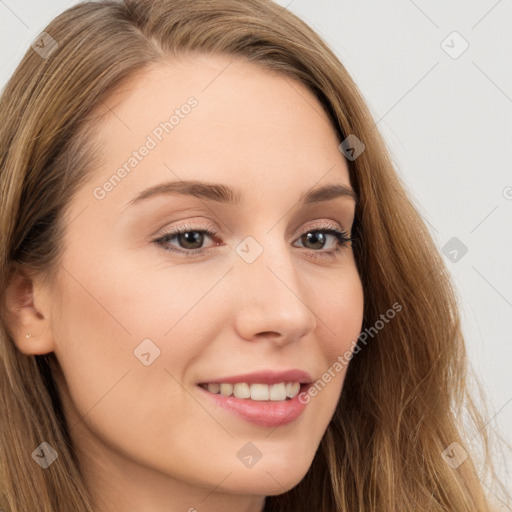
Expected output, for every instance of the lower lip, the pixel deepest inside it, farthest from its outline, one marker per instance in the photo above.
(266, 413)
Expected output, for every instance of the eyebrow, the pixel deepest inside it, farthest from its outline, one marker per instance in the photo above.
(224, 194)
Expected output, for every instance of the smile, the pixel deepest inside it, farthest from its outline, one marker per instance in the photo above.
(258, 392)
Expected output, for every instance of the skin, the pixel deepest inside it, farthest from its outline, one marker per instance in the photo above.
(147, 438)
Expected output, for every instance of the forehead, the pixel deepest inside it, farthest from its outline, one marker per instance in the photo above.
(247, 125)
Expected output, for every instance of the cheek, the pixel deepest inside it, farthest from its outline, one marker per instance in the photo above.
(121, 319)
(338, 308)
(339, 311)
(122, 373)
(97, 326)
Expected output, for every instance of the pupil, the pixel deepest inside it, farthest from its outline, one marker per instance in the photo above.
(196, 237)
(315, 236)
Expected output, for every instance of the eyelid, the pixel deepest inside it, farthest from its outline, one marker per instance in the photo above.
(190, 225)
(208, 226)
(324, 224)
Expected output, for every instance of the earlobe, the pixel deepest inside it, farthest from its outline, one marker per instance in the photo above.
(28, 314)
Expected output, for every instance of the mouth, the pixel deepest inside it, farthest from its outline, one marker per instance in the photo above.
(266, 405)
(259, 392)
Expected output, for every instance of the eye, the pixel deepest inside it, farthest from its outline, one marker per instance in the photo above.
(191, 239)
(318, 237)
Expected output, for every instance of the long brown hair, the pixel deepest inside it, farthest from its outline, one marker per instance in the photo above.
(406, 385)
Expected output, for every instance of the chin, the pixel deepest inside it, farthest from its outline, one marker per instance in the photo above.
(267, 480)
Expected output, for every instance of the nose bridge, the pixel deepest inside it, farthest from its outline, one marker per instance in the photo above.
(271, 298)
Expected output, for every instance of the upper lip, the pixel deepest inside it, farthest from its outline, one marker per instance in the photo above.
(265, 377)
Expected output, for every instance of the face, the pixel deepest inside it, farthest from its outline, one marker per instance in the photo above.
(252, 293)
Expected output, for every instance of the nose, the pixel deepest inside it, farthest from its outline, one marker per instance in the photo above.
(271, 300)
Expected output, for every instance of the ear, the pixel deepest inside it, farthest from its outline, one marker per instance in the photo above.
(27, 308)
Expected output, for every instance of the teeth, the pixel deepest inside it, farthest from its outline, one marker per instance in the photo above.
(257, 392)
(294, 390)
(260, 392)
(226, 389)
(278, 392)
(242, 390)
(213, 388)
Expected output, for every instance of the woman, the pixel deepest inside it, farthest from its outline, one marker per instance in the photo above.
(302, 350)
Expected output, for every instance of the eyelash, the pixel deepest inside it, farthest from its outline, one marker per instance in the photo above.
(343, 239)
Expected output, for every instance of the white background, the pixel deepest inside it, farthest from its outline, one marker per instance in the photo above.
(448, 125)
